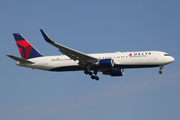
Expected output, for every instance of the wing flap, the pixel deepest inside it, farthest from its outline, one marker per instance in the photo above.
(73, 54)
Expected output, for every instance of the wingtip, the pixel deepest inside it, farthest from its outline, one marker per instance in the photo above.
(41, 30)
(8, 55)
(46, 37)
(16, 33)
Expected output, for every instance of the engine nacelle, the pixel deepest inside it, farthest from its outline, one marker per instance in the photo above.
(106, 63)
(114, 72)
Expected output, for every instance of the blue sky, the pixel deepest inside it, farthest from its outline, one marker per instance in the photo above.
(90, 27)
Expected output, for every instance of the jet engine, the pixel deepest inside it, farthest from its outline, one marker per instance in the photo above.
(114, 72)
(105, 63)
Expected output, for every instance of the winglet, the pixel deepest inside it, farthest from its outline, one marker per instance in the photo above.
(46, 37)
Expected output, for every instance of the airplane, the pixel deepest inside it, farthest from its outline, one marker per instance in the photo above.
(72, 60)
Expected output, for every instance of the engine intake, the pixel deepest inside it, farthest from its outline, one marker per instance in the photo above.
(114, 72)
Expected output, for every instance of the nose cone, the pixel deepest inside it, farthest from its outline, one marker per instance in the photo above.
(170, 59)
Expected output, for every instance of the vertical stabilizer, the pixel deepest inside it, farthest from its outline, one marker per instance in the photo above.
(26, 50)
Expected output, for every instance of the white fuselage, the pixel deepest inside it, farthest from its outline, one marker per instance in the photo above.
(140, 59)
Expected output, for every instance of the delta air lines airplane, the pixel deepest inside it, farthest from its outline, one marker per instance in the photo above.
(108, 63)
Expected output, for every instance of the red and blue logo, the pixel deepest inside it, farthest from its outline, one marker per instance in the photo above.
(25, 48)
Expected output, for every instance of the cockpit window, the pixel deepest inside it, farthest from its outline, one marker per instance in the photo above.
(166, 55)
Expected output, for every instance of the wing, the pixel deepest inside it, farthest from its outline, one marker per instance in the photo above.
(20, 59)
(73, 54)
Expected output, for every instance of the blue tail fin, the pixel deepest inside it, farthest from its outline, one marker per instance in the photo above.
(26, 50)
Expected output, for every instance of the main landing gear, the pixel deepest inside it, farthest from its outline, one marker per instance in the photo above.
(91, 74)
(160, 71)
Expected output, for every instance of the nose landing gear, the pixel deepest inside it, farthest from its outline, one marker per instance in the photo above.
(160, 71)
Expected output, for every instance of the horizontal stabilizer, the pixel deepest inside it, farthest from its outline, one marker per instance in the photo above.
(20, 59)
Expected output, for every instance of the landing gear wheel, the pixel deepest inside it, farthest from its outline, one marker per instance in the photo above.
(160, 72)
(90, 73)
(97, 78)
(92, 77)
(85, 72)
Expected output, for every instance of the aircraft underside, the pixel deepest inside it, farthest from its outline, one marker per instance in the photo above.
(78, 68)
